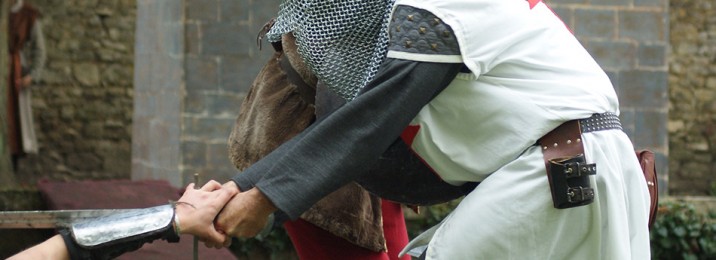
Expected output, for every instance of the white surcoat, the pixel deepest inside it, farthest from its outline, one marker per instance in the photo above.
(529, 75)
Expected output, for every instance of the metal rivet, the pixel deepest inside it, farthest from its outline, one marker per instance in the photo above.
(436, 21)
(446, 33)
(410, 17)
(422, 30)
(579, 140)
(434, 46)
(544, 148)
(408, 44)
(397, 28)
(569, 141)
(555, 145)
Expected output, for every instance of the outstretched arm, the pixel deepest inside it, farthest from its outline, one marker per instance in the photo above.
(337, 149)
(194, 214)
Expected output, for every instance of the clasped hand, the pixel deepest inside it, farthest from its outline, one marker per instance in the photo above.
(221, 212)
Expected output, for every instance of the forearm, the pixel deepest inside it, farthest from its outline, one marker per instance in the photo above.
(247, 179)
(53, 248)
(348, 142)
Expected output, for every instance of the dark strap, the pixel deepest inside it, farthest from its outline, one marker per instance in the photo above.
(262, 33)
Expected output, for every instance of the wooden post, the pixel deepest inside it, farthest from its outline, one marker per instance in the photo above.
(7, 176)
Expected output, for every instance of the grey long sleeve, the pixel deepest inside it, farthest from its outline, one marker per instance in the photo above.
(341, 147)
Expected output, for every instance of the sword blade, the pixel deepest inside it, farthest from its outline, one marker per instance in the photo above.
(48, 219)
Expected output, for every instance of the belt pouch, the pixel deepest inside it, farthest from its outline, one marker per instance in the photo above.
(569, 181)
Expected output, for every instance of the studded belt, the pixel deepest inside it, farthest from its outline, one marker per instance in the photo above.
(563, 153)
(566, 139)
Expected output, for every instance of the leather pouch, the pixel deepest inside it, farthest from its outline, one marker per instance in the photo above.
(569, 181)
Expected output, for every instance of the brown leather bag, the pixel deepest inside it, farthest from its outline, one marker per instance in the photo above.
(646, 159)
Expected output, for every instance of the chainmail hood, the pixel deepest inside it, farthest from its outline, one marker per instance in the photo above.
(342, 41)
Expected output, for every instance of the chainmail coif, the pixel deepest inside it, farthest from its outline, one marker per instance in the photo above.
(342, 41)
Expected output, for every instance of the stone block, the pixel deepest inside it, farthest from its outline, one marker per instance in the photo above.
(614, 78)
(649, 130)
(84, 161)
(643, 89)
(193, 154)
(192, 39)
(196, 102)
(227, 39)
(202, 73)
(205, 128)
(202, 10)
(169, 11)
(566, 15)
(87, 74)
(612, 2)
(262, 11)
(173, 35)
(168, 106)
(627, 118)
(237, 11)
(238, 73)
(614, 55)
(651, 55)
(218, 155)
(662, 169)
(559, 2)
(651, 3)
(225, 105)
(643, 25)
(142, 76)
(595, 23)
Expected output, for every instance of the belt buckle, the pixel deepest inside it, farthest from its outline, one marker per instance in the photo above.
(580, 194)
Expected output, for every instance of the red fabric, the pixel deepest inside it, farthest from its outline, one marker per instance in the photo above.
(408, 135)
(312, 242)
(533, 3)
(396, 233)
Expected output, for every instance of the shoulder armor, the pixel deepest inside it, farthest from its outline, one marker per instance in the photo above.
(416, 30)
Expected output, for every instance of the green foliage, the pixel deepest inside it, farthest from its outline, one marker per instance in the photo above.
(680, 233)
(430, 216)
(270, 247)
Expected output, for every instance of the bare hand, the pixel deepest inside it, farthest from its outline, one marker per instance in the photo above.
(199, 220)
(24, 82)
(246, 214)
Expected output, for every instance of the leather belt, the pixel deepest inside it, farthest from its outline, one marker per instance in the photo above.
(566, 139)
(563, 154)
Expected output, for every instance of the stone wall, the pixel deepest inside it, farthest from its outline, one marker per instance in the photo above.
(6, 173)
(159, 84)
(223, 59)
(83, 101)
(692, 97)
(190, 82)
(629, 39)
